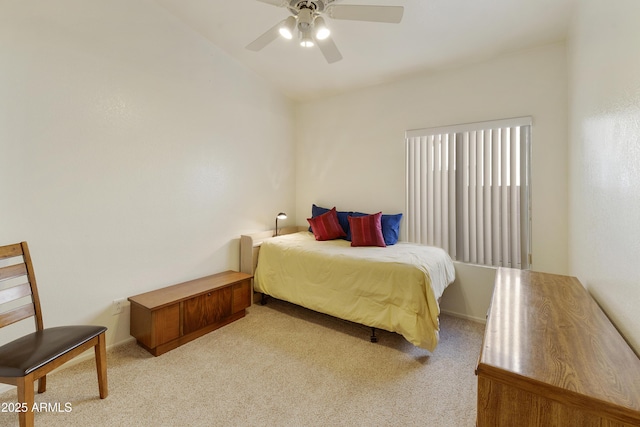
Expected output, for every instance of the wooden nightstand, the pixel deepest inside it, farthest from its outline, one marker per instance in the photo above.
(166, 318)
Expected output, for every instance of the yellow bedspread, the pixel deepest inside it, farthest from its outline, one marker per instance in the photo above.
(394, 288)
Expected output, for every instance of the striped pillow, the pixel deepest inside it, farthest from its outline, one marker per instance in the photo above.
(326, 226)
(366, 230)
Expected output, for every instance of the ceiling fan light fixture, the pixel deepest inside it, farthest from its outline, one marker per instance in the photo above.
(286, 28)
(306, 40)
(320, 28)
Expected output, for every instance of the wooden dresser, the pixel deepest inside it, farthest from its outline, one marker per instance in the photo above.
(551, 357)
(166, 318)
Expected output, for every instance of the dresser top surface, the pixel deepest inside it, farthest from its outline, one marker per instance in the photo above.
(546, 329)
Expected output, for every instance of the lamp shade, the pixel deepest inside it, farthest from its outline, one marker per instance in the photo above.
(305, 39)
(320, 28)
(286, 27)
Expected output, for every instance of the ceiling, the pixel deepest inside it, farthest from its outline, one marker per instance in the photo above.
(433, 35)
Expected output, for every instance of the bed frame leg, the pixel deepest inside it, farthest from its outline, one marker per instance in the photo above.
(263, 299)
(374, 338)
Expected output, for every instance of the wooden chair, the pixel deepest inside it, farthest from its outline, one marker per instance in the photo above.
(32, 357)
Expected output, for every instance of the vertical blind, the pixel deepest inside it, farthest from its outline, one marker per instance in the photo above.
(468, 190)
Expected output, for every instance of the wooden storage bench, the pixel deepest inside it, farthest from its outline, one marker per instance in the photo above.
(551, 357)
(166, 318)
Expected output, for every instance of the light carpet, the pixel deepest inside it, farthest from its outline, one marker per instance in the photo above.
(281, 365)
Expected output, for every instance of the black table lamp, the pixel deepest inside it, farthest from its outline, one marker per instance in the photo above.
(281, 215)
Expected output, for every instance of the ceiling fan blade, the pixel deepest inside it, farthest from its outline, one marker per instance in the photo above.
(266, 38)
(329, 50)
(278, 3)
(390, 14)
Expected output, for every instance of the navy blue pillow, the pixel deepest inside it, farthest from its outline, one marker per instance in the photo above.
(342, 217)
(317, 210)
(390, 227)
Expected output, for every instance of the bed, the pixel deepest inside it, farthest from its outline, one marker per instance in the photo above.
(395, 288)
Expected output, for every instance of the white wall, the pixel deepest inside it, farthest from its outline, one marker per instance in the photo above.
(133, 153)
(605, 153)
(350, 148)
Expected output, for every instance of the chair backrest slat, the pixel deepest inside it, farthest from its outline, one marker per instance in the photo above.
(13, 271)
(10, 251)
(14, 293)
(17, 314)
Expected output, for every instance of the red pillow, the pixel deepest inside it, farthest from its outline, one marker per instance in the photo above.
(366, 230)
(326, 226)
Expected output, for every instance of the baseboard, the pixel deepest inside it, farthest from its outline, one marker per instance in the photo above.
(89, 354)
(482, 320)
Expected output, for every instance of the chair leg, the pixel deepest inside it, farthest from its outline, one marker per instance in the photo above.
(101, 365)
(26, 397)
(42, 384)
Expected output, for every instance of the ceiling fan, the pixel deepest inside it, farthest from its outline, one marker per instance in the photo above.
(307, 16)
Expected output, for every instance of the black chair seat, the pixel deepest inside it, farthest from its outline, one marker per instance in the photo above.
(26, 354)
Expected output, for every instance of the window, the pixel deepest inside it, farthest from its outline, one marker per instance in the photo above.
(468, 191)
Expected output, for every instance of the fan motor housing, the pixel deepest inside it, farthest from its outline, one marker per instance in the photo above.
(316, 6)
